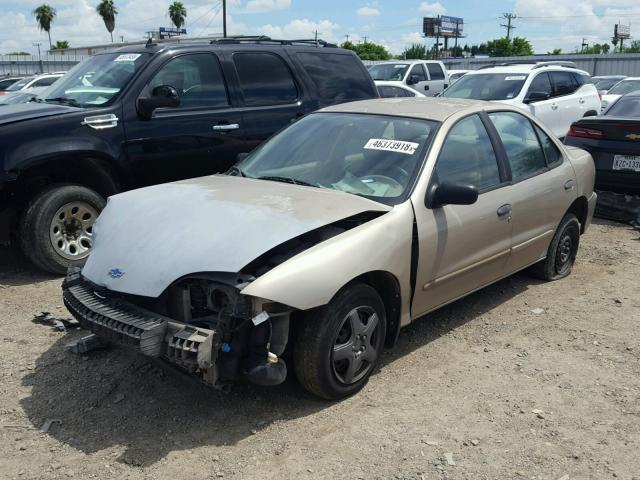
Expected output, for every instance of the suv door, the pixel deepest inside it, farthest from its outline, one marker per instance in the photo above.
(543, 186)
(201, 136)
(436, 78)
(463, 247)
(419, 74)
(546, 110)
(567, 104)
(270, 95)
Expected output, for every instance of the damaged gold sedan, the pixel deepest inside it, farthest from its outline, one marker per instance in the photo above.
(326, 240)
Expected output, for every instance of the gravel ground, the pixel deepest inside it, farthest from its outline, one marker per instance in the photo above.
(490, 387)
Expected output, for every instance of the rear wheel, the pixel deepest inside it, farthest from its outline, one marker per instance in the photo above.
(562, 251)
(57, 227)
(338, 346)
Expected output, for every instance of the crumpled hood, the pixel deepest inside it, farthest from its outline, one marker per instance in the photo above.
(146, 239)
(27, 111)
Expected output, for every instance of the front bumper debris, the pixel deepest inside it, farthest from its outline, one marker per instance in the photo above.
(192, 349)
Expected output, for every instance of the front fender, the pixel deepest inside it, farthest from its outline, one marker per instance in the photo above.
(313, 277)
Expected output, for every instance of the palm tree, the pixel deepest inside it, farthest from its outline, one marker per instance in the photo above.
(177, 14)
(44, 16)
(108, 11)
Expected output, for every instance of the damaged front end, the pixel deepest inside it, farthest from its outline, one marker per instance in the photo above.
(201, 325)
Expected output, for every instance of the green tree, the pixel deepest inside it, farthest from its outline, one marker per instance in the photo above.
(503, 47)
(108, 11)
(44, 16)
(555, 51)
(368, 50)
(61, 44)
(415, 51)
(634, 47)
(20, 54)
(177, 14)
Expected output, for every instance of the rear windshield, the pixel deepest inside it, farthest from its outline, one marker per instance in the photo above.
(388, 71)
(606, 83)
(487, 86)
(624, 87)
(338, 77)
(627, 106)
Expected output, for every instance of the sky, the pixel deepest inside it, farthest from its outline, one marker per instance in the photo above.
(547, 24)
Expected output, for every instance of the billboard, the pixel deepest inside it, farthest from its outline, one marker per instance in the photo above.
(171, 32)
(442, 26)
(622, 31)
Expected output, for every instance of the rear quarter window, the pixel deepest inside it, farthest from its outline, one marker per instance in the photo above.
(337, 77)
(435, 71)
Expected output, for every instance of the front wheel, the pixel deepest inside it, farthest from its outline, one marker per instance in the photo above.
(57, 227)
(562, 251)
(338, 346)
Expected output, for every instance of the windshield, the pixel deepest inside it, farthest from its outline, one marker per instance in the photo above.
(97, 80)
(374, 156)
(487, 86)
(388, 71)
(606, 83)
(624, 87)
(19, 84)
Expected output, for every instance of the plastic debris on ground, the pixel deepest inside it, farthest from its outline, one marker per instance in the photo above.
(60, 324)
(86, 344)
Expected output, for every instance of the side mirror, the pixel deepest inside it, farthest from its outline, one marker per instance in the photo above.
(536, 97)
(412, 80)
(591, 113)
(162, 96)
(451, 194)
(426, 87)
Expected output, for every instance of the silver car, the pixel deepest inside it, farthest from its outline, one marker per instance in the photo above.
(330, 237)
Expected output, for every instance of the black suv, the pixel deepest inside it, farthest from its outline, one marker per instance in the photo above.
(151, 114)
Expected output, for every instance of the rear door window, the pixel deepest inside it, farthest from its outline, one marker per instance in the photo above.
(551, 152)
(337, 77)
(265, 79)
(435, 71)
(563, 83)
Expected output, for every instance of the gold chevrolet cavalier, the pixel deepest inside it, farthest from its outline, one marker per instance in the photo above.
(320, 245)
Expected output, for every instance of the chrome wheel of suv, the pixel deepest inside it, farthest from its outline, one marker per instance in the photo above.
(71, 230)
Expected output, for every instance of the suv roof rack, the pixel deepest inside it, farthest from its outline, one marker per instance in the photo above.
(266, 39)
(536, 64)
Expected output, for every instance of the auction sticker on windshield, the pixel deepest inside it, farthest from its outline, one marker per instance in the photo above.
(398, 146)
(127, 57)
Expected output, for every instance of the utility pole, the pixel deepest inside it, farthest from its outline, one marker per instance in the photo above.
(365, 39)
(224, 18)
(346, 38)
(583, 45)
(37, 44)
(315, 35)
(508, 26)
(455, 48)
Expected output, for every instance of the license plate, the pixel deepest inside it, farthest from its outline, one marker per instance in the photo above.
(626, 162)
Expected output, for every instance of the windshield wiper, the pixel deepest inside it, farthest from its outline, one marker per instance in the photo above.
(235, 171)
(295, 181)
(63, 100)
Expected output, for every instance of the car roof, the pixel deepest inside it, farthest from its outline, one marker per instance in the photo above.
(428, 108)
(629, 78)
(525, 68)
(154, 48)
(410, 62)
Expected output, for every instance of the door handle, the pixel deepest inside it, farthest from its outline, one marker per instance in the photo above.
(581, 100)
(226, 126)
(568, 185)
(504, 210)
(554, 106)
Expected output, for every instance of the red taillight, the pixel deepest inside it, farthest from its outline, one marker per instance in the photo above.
(577, 131)
(600, 94)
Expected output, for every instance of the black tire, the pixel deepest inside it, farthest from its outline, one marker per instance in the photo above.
(562, 251)
(37, 222)
(328, 330)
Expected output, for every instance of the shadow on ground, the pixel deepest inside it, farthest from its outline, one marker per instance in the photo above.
(16, 270)
(115, 398)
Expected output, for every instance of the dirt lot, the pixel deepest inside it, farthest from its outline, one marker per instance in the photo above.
(502, 391)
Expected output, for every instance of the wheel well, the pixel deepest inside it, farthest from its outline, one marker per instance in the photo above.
(90, 172)
(580, 208)
(388, 288)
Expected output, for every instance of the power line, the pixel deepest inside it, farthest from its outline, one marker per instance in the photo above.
(508, 26)
(215, 14)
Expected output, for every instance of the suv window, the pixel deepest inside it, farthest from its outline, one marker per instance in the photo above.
(551, 152)
(521, 144)
(265, 79)
(337, 76)
(197, 78)
(435, 71)
(467, 156)
(563, 83)
(44, 82)
(418, 71)
(541, 83)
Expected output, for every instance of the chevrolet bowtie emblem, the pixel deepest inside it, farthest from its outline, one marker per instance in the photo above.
(633, 136)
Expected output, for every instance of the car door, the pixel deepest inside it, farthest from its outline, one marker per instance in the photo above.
(437, 78)
(566, 102)
(270, 95)
(418, 74)
(543, 186)
(203, 135)
(545, 110)
(463, 247)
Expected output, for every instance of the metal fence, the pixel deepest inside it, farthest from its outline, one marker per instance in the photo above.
(607, 64)
(31, 64)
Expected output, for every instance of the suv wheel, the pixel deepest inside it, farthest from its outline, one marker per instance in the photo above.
(338, 346)
(57, 227)
(562, 251)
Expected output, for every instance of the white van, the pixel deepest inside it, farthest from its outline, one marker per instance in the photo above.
(428, 77)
